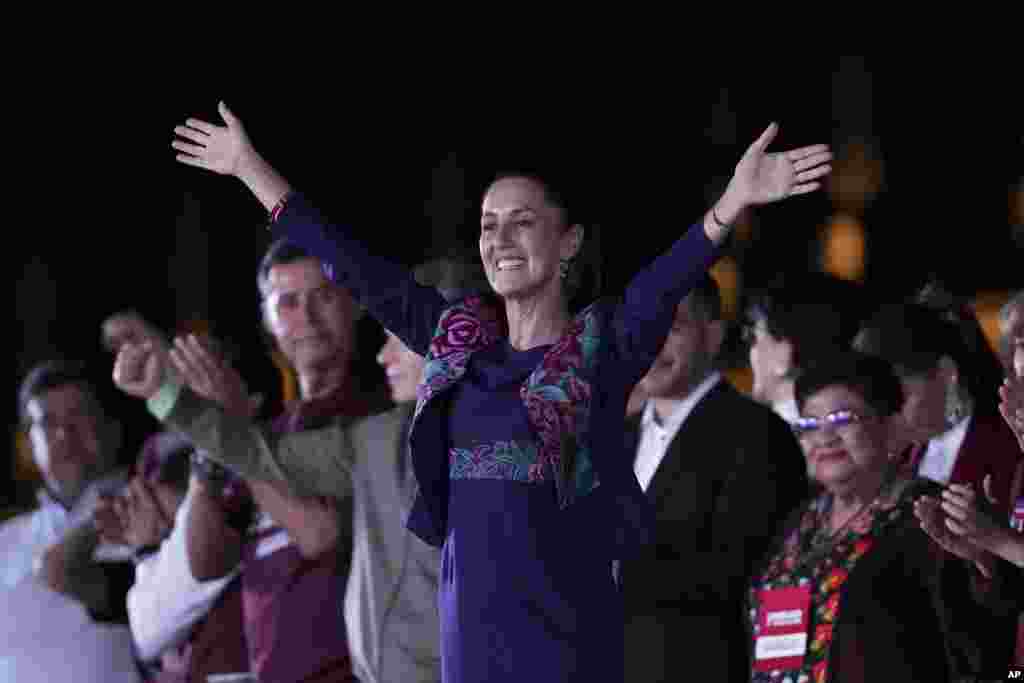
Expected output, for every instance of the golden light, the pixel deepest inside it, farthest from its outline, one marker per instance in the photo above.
(742, 379)
(843, 248)
(727, 276)
(986, 307)
(289, 382)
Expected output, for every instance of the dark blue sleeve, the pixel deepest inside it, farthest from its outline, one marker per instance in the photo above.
(387, 289)
(643, 318)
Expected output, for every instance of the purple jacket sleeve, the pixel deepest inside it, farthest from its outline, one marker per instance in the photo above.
(644, 317)
(387, 289)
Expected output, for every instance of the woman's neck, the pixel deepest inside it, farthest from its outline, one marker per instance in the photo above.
(856, 495)
(536, 321)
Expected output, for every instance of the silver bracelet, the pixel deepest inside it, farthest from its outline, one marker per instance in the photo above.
(720, 224)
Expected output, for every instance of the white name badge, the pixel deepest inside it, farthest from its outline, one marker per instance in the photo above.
(778, 647)
(783, 622)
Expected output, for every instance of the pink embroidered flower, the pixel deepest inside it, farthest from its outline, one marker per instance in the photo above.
(567, 353)
(547, 421)
(458, 331)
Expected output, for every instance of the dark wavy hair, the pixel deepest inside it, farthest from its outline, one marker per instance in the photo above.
(872, 378)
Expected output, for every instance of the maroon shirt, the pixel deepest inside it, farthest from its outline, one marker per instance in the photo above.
(294, 607)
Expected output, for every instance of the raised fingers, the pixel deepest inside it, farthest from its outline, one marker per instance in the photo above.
(802, 153)
(192, 134)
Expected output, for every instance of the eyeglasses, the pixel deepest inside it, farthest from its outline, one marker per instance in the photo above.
(835, 420)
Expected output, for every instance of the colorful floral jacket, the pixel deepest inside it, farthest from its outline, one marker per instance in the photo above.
(556, 394)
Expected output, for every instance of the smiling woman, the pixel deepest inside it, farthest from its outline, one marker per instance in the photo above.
(527, 243)
(853, 565)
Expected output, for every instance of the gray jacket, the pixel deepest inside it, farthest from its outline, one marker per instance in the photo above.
(391, 614)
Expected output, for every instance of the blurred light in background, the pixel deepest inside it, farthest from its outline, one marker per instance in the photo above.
(726, 274)
(289, 382)
(843, 248)
(986, 307)
(742, 379)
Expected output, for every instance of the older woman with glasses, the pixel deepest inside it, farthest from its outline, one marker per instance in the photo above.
(854, 590)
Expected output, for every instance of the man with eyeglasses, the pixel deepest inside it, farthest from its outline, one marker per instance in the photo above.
(722, 471)
(63, 603)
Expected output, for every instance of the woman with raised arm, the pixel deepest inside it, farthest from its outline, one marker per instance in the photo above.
(517, 439)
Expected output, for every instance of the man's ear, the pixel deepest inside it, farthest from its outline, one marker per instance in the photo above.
(573, 242)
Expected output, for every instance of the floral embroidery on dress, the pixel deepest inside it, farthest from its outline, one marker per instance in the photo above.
(826, 577)
(557, 393)
(508, 460)
(558, 399)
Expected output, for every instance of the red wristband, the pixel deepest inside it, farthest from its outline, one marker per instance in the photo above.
(279, 207)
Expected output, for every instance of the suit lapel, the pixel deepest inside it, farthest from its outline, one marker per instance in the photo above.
(690, 447)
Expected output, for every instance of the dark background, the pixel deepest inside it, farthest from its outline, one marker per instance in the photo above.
(101, 218)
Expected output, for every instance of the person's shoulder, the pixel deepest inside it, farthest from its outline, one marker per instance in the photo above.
(746, 411)
(20, 530)
(378, 424)
(988, 431)
(15, 519)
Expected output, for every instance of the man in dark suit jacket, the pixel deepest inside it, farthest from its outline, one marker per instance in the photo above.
(722, 472)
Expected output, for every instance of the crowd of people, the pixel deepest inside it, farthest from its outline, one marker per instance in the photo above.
(547, 493)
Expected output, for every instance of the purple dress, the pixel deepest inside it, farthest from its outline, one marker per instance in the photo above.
(519, 598)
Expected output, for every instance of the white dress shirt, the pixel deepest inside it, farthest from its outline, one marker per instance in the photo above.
(787, 410)
(46, 636)
(940, 457)
(166, 601)
(656, 436)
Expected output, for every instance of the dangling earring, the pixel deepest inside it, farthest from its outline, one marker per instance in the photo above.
(956, 406)
(563, 268)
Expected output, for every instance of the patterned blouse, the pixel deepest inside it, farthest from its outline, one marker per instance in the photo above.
(810, 558)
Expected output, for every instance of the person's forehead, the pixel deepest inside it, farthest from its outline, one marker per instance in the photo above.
(510, 195)
(835, 397)
(296, 276)
(60, 399)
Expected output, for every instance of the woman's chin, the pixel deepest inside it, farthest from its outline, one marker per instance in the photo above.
(831, 472)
